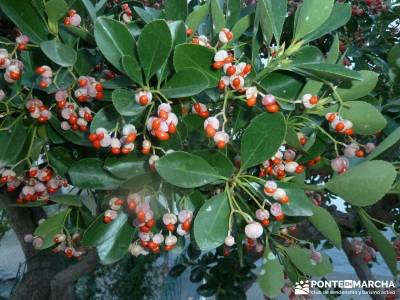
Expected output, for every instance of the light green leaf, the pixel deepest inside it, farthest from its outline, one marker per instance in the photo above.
(186, 170)
(326, 224)
(301, 258)
(176, 9)
(352, 90)
(310, 16)
(211, 222)
(197, 16)
(299, 204)
(90, 9)
(262, 139)
(50, 227)
(127, 166)
(154, 46)
(217, 16)
(56, 9)
(59, 53)
(366, 118)
(132, 68)
(241, 26)
(327, 71)
(364, 184)
(271, 278)
(277, 10)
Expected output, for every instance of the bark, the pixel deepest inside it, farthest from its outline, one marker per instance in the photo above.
(47, 275)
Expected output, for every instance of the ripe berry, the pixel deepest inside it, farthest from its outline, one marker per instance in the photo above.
(273, 108)
(251, 102)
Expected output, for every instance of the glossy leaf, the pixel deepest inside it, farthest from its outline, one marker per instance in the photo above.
(132, 68)
(59, 53)
(328, 71)
(301, 258)
(26, 18)
(56, 9)
(50, 227)
(364, 184)
(283, 84)
(186, 170)
(299, 204)
(106, 117)
(326, 224)
(218, 161)
(154, 46)
(176, 9)
(70, 200)
(12, 143)
(211, 223)
(185, 83)
(277, 10)
(113, 40)
(217, 16)
(116, 247)
(391, 140)
(262, 139)
(352, 90)
(310, 16)
(127, 166)
(242, 26)
(366, 118)
(99, 232)
(197, 16)
(125, 104)
(198, 57)
(271, 278)
(88, 173)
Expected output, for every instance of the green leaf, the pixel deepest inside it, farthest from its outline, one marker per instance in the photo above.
(154, 46)
(56, 9)
(211, 223)
(176, 9)
(241, 26)
(75, 137)
(50, 227)
(277, 10)
(217, 16)
(127, 166)
(26, 18)
(186, 170)
(292, 139)
(116, 247)
(391, 140)
(148, 14)
(114, 41)
(367, 120)
(60, 159)
(283, 84)
(178, 32)
(384, 246)
(352, 90)
(310, 16)
(99, 232)
(106, 117)
(326, 224)
(364, 184)
(218, 161)
(12, 143)
(299, 204)
(262, 139)
(301, 258)
(271, 278)
(327, 71)
(197, 16)
(90, 9)
(198, 57)
(85, 62)
(132, 68)
(341, 14)
(232, 12)
(125, 104)
(59, 53)
(70, 200)
(185, 83)
(88, 173)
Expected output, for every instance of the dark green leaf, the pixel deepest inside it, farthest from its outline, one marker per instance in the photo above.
(326, 224)
(127, 166)
(386, 144)
(185, 83)
(59, 53)
(176, 9)
(218, 161)
(50, 227)
(70, 200)
(124, 102)
(197, 16)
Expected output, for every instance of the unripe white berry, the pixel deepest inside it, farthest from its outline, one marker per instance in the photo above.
(253, 230)
(171, 240)
(169, 219)
(229, 241)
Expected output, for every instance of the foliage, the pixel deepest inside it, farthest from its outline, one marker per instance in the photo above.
(210, 128)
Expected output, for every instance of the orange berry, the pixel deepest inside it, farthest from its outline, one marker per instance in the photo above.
(186, 225)
(220, 144)
(339, 127)
(251, 102)
(161, 135)
(313, 100)
(273, 108)
(360, 153)
(210, 131)
(143, 100)
(218, 65)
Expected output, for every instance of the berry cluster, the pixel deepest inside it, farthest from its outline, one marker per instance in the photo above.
(338, 124)
(211, 128)
(46, 74)
(36, 184)
(201, 40)
(127, 13)
(201, 110)
(22, 40)
(101, 138)
(89, 89)
(235, 74)
(38, 110)
(13, 67)
(281, 163)
(72, 18)
(164, 123)
(75, 120)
